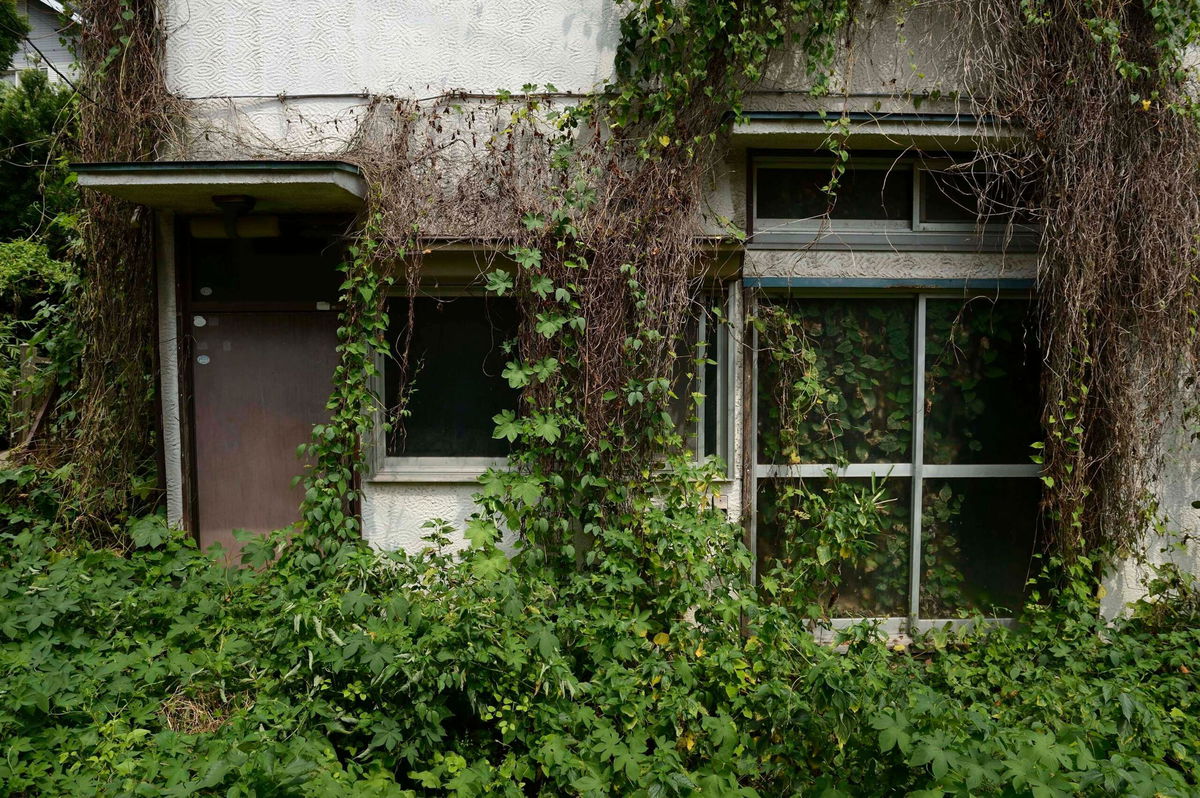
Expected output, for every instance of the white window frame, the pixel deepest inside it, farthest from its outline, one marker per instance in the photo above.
(915, 469)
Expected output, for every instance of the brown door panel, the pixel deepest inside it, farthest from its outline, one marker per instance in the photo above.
(260, 381)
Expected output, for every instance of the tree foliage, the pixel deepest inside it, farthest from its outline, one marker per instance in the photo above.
(13, 29)
(37, 130)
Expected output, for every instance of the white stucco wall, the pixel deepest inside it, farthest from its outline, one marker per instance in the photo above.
(403, 47)
(395, 513)
(1178, 487)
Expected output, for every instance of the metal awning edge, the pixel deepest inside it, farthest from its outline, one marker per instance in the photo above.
(280, 186)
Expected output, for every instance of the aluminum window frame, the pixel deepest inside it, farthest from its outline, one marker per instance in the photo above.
(384, 468)
(719, 293)
(912, 234)
(915, 470)
(919, 225)
(822, 224)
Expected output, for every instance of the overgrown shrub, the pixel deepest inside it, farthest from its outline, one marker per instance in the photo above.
(165, 672)
(37, 191)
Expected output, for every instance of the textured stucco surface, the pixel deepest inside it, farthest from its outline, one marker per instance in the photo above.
(893, 265)
(270, 47)
(1177, 489)
(894, 49)
(394, 513)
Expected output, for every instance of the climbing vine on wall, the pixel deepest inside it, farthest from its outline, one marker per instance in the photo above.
(601, 234)
(596, 207)
(1111, 145)
(126, 113)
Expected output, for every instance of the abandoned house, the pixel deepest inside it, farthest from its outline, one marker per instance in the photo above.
(921, 310)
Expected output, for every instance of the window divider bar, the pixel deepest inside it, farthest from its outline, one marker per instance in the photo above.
(750, 436)
(918, 462)
(821, 470)
(699, 362)
(727, 365)
(983, 470)
(900, 470)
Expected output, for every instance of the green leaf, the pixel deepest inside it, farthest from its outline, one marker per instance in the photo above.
(527, 491)
(498, 282)
(149, 532)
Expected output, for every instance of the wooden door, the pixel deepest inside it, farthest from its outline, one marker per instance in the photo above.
(261, 381)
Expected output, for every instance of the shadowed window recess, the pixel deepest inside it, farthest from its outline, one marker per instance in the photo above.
(457, 354)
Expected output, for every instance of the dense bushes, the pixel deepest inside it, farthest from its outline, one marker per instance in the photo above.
(37, 192)
(162, 672)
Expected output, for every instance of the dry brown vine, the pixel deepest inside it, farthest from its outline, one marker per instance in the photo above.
(1113, 162)
(125, 113)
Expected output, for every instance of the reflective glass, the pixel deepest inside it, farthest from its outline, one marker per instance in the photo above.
(972, 196)
(981, 381)
(301, 265)
(835, 381)
(456, 357)
(843, 543)
(861, 195)
(977, 541)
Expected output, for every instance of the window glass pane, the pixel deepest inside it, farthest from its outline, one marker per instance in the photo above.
(882, 194)
(456, 357)
(692, 361)
(713, 401)
(962, 196)
(977, 538)
(835, 381)
(301, 265)
(685, 381)
(981, 381)
(844, 540)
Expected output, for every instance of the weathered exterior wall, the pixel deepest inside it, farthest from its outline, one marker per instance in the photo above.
(406, 47)
(890, 265)
(1180, 543)
(394, 513)
(272, 78)
(894, 50)
(295, 77)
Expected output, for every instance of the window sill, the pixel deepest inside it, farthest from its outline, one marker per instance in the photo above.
(461, 470)
(899, 630)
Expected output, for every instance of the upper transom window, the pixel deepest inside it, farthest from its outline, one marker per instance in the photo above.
(877, 203)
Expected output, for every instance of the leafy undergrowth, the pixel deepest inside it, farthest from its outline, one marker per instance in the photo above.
(161, 672)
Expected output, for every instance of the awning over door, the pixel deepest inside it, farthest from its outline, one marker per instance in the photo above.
(190, 186)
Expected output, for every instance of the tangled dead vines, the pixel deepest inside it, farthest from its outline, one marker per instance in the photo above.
(126, 111)
(1111, 149)
(607, 197)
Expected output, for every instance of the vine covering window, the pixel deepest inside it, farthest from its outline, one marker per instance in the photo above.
(456, 361)
(893, 451)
